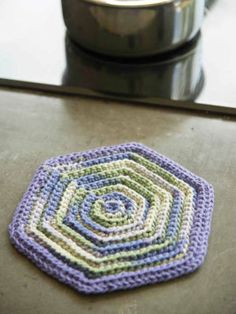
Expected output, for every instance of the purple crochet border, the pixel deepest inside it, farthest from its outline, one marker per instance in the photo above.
(47, 262)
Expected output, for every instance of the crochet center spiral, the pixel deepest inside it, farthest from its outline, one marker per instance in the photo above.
(114, 218)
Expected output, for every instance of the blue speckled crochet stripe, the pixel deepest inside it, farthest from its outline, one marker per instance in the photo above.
(114, 218)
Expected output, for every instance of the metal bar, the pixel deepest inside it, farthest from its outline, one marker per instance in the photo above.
(166, 103)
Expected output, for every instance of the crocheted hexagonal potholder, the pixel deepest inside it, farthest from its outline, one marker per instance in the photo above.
(114, 218)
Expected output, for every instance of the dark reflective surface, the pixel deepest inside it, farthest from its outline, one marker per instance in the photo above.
(176, 75)
(35, 49)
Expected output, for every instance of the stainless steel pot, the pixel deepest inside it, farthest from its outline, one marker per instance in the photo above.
(132, 28)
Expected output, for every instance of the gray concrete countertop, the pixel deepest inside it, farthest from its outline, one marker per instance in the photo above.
(34, 127)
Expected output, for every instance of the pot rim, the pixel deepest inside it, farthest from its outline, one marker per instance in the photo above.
(134, 3)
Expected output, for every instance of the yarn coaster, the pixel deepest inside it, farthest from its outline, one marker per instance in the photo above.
(114, 218)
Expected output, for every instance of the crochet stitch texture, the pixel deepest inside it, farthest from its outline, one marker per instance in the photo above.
(114, 218)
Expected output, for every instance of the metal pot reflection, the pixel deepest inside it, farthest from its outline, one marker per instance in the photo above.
(177, 75)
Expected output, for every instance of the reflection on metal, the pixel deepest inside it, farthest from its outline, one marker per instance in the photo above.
(178, 75)
(210, 3)
(134, 28)
(120, 28)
